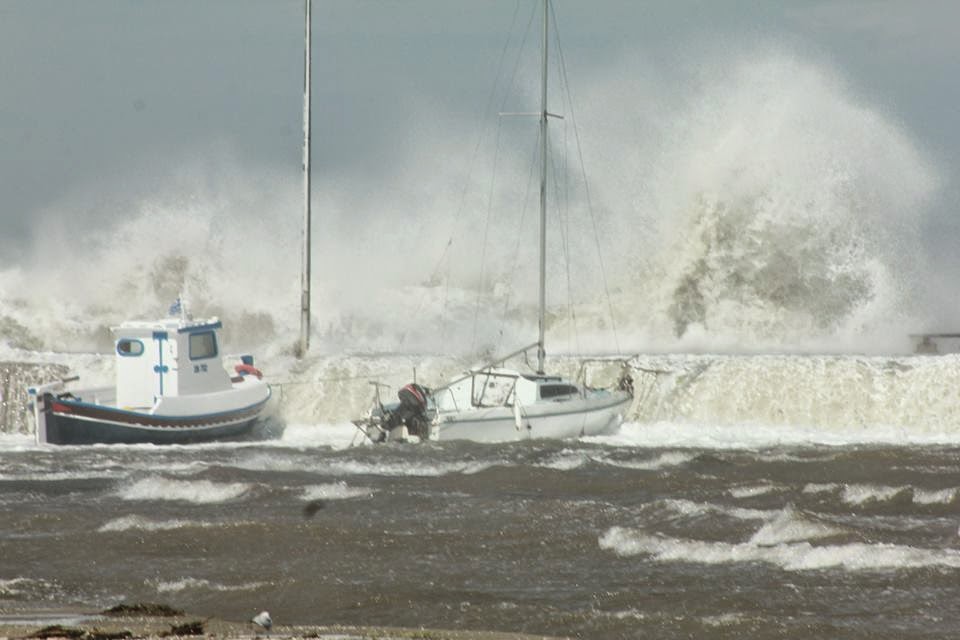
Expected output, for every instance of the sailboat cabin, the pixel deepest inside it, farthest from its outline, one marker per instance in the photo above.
(499, 387)
(169, 357)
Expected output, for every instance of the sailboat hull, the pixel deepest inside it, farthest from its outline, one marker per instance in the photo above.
(596, 414)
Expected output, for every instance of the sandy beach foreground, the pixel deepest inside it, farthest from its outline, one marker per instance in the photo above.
(85, 626)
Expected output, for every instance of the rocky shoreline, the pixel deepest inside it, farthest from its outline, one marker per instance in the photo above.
(134, 622)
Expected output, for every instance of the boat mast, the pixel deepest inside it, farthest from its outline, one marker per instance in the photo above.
(305, 275)
(543, 193)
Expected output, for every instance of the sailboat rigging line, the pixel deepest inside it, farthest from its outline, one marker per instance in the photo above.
(486, 235)
(516, 65)
(566, 185)
(489, 365)
(563, 213)
(472, 163)
(586, 185)
(571, 307)
(512, 267)
(507, 94)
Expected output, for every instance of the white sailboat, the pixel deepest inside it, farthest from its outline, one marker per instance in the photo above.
(494, 403)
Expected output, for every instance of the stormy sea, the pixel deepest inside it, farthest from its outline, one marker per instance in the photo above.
(660, 530)
(790, 467)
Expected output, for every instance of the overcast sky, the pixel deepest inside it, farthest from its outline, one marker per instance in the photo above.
(104, 95)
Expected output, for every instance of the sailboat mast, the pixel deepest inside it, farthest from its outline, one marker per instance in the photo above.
(305, 275)
(541, 354)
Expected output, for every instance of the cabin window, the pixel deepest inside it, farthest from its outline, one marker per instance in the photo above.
(491, 389)
(203, 344)
(556, 390)
(128, 347)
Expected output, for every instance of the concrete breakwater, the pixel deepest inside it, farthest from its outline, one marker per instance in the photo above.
(15, 379)
(915, 396)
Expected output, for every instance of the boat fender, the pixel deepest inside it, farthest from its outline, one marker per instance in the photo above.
(244, 369)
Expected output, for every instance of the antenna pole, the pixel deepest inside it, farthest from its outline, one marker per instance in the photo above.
(543, 193)
(305, 275)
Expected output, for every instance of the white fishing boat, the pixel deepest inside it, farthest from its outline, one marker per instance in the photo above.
(171, 388)
(493, 403)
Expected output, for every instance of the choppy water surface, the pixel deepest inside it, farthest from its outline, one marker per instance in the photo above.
(612, 537)
(749, 201)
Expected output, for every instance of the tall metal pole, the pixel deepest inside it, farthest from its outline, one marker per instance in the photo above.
(541, 354)
(305, 275)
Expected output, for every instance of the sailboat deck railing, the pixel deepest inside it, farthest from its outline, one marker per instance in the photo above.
(490, 365)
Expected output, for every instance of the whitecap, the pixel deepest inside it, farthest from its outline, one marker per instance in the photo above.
(196, 491)
(139, 523)
(858, 494)
(695, 509)
(409, 468)
(335, 491)
(61, 476)
(566, 460)
(752, 491)
(12, 586)
(942, 496)
(800, 556)
(664, 460)
(787, 526)
(820, 487)
(184, 584)
(723, 620)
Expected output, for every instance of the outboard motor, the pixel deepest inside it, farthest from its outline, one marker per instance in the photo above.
(412, 411)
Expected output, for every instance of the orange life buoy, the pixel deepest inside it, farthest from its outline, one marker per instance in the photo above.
(244, 369)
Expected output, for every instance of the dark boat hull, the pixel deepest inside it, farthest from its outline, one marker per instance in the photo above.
(78, 423)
